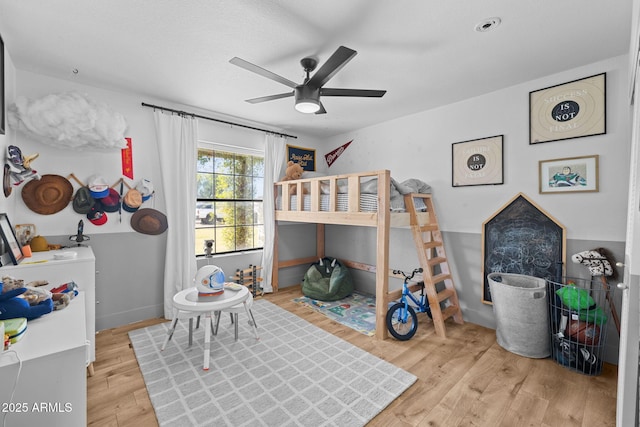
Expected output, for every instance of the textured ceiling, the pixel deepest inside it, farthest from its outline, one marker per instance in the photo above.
(425, 53)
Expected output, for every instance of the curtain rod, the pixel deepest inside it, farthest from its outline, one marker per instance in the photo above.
(216, 120)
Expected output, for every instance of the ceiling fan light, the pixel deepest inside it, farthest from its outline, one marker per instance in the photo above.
(307, 99)
(307, 106)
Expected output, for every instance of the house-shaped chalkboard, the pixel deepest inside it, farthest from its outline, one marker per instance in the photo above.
(522, 238)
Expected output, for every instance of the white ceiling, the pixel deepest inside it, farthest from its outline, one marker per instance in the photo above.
(425, 53)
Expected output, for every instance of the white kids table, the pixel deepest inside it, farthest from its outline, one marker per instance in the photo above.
(188, 300)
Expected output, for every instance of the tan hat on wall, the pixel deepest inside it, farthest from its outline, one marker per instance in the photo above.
(132, 200)
(47, 195)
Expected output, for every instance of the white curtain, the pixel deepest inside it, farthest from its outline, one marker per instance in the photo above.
(274, 155)
(177, 138)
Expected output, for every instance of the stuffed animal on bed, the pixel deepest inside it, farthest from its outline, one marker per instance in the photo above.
(294, 171)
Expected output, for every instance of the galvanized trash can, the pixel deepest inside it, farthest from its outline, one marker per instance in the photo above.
(579, 310)
(522, 313)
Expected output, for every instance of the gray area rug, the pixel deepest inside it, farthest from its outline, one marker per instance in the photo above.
(295, 375)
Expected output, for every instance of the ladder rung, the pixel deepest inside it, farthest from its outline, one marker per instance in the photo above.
(437, 260)
(432, 244)
(445, 294)
(440, 278)
(450, 311)
(428, 227)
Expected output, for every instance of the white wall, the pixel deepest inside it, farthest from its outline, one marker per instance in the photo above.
(419, 146)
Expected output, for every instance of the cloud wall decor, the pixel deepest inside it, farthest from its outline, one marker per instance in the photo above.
(69, 120)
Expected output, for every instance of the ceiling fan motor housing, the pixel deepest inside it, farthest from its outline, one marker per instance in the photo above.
(307, 98)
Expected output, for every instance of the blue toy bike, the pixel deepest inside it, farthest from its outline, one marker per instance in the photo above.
(402, 320)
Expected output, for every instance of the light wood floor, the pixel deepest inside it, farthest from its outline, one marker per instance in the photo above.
(466, 380)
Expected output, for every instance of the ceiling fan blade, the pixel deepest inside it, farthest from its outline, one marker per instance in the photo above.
(321, 110)
(352, 92)
(331, 66)
(261, 71)
(269, 98)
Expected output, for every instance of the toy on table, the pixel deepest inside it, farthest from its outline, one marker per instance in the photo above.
(13, 304)
(31, 302)
(210, 281)
(14, 330)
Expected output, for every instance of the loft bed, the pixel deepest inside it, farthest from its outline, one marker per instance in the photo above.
(361, 199)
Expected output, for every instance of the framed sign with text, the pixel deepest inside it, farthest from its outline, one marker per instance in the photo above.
(305, 157)
(477, 162)
(569, 110)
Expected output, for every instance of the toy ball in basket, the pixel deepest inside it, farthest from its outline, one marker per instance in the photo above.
(210, 281)
(583, 332)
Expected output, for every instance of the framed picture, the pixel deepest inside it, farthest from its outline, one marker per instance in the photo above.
(2, 118)
(305, 157)
(477, 162)
(569, 110)
(568, 175)
(9, 239)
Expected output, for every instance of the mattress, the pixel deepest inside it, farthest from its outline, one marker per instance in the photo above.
(368, 203)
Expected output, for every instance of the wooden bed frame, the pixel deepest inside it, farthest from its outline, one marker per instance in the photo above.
(383, 220)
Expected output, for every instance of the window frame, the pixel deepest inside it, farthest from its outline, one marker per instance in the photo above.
(257, 192)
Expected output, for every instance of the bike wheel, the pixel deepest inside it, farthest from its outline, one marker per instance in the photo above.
(402, 323)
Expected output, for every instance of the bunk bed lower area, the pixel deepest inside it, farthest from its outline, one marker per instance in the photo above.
(371, 199)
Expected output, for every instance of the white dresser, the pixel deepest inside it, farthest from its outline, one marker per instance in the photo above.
(81, 270)
(49, 366)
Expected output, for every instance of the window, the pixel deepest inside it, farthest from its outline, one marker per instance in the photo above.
(229, 188)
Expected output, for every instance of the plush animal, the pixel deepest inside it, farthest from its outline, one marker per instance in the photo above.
(597, 261)
(294, 171)
(30, 301)
(13, 304)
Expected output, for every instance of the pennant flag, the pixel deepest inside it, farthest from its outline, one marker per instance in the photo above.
(333, 156)
(127, 160)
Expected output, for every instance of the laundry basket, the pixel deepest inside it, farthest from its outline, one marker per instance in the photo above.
(522, 313)
(578, 313)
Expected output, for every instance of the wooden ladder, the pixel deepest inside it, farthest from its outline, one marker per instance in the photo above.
(433, 260)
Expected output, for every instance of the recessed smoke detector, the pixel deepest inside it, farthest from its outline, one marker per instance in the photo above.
(487, 24)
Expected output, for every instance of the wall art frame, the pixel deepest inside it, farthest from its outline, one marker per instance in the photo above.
(477, 162)
(569, 175)
(569, 110)
(305, 157)
(2, 89)
(10, 241)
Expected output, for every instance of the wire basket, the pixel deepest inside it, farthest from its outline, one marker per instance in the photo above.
(579, 311)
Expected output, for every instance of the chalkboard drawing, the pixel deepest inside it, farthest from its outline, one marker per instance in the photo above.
(522, 238)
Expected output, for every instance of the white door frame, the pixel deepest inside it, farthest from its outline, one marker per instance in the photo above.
(627, 396)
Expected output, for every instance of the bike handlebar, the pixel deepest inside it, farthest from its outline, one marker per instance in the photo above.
(406, 276)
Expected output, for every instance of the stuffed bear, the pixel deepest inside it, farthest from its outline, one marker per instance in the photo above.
(294, 171)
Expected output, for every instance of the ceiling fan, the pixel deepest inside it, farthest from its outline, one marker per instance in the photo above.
(307, 95)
